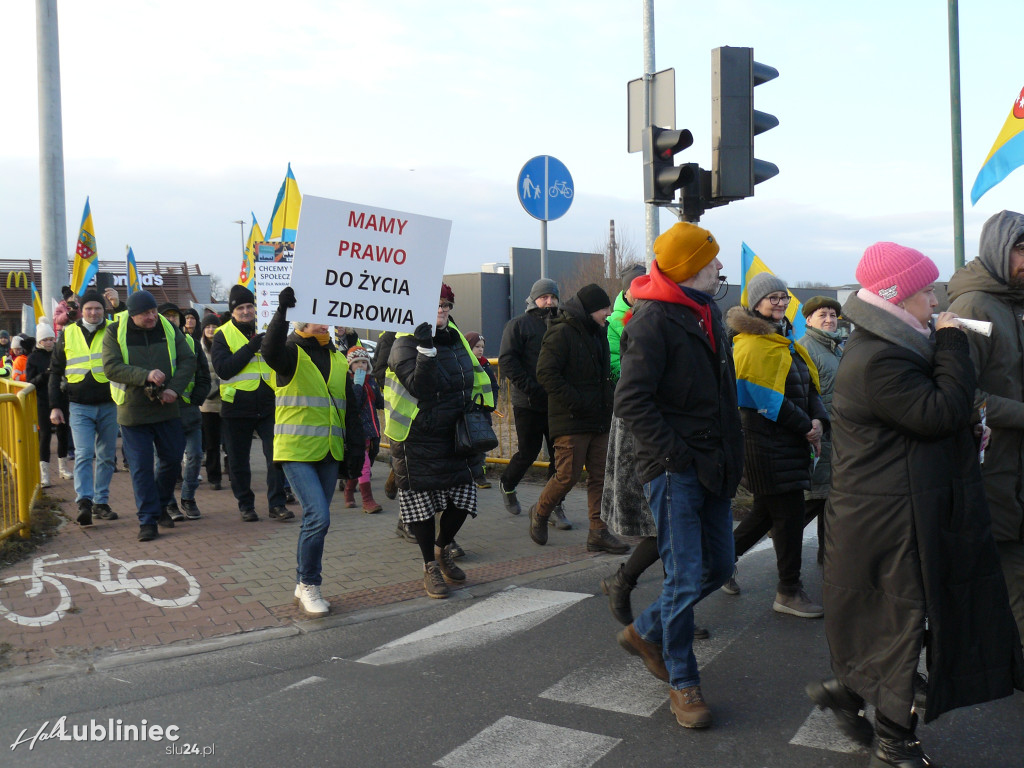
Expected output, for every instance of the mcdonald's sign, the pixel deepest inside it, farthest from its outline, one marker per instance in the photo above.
(20, 280)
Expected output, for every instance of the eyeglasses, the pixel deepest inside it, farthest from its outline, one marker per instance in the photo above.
(776, 300)
(445, 305)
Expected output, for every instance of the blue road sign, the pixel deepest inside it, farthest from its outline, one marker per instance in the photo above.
(545, 188)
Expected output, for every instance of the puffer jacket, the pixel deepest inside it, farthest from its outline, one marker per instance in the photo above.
(443, 387)
(573, 367)
(518, 354)
(825, 351)
(982, 291)
(777, 456)
(619, 309)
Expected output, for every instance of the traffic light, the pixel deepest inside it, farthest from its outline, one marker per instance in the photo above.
(661, 176)
(735, 122)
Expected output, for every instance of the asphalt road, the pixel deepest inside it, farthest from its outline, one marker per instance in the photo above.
(526, 676)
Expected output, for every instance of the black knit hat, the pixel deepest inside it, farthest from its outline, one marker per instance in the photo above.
(593, 298)
(139, 302)
(93, 295)
(239, 294)
(211, 319)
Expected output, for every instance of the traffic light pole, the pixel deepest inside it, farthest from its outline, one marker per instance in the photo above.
(651, 224)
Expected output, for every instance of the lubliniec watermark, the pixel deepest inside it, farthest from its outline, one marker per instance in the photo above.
(112, 730)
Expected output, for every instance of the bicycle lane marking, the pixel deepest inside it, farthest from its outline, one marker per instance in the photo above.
(43, 577)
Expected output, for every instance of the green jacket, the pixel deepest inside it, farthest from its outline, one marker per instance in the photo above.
(147, 350)
(619, 310)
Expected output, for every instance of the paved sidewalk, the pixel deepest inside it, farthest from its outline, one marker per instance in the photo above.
(245, 571)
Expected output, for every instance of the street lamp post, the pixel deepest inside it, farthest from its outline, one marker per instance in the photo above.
(241, 230)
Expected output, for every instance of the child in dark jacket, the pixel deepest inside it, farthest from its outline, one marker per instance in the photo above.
(368, 398)
(476, 343)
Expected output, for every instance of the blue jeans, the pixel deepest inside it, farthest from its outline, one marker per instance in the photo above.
(94, 430)
(696, 547)
(313, 485)
(167, 440)
(193, 461)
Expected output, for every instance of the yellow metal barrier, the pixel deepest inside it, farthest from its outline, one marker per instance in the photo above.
(19, 457)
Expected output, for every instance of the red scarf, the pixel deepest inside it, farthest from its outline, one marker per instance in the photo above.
(657, 287)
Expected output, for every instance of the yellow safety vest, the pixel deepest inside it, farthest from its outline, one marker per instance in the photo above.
(248, 379)
(400, 407)
(309, 414)
(187, 394)
(83, 358)
(117, 389)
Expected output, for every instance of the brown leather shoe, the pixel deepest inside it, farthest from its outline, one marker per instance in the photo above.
(649, 653)
(538, 527)
(689, 707)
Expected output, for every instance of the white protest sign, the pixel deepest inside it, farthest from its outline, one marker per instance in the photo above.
(367, 267)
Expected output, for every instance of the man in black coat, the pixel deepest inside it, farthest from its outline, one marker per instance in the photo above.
(677, 395)
(574, 369)
(517, 360)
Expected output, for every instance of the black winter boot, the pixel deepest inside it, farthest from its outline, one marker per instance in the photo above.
(618, 588)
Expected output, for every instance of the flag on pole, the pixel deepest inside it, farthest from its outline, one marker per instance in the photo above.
(37, 303)
(284, 221)
(750, 265)
(132, 272)
(1006, 154)
(86, 261)
(247, 274)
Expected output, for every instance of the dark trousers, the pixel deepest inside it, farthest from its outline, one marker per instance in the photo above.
(165, 439)
(212, 442)
(783, 514)
(531, 429)
(237, 435)
(46, 430)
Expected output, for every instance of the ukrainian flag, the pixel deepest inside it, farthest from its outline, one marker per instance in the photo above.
(37, 303)
(132, 272)
(86, 261)
(1006, 154)
(750, 265)
(284, 221)
(247, 274)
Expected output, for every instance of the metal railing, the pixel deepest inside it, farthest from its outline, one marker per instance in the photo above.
(19, 457)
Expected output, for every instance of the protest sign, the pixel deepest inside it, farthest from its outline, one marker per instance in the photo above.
(356, 265)
(273, 272)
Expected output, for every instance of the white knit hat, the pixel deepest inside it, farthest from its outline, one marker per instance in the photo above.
(44, 330)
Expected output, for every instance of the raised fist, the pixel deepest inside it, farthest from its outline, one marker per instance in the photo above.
(286, 298)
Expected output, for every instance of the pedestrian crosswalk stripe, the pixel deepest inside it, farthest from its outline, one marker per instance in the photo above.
(819, 731)
(515, 743)
(621, 684)
(501, 615)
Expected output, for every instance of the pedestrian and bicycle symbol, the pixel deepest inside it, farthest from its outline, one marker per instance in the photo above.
(159, 583)
(545, 188)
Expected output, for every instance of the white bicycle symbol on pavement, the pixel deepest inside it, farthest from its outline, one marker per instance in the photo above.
(41, 577)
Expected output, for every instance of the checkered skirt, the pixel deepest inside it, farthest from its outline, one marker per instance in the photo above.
(415, 506)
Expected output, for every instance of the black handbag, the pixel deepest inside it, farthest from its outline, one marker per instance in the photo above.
(473, 432)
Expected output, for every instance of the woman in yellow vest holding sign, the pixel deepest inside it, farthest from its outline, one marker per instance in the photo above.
(432, 378)
(313, 431)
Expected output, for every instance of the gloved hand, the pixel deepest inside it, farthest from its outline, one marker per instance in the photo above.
(256, 341)
(424, 334)
(286, 298)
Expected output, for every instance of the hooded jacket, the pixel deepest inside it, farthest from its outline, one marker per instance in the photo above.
(615, 322)
(518, 355)
(908, 535)
(573, 368)
(677, 392)
(981, 291)
(778, 456)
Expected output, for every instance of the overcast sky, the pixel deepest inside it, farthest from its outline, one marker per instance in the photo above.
(179, 118)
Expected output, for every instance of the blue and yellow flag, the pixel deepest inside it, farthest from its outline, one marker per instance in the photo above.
(247, 274)
(284, 221)
(132, 272)
(37, 303)
(750, 265)
(86, 261)
(1006, 154)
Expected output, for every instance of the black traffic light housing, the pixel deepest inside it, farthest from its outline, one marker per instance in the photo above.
(735, 122)
(661, 176)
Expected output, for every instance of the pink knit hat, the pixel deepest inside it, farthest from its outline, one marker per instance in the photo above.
(895, 272)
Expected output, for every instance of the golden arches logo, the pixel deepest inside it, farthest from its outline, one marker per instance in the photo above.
(20, 280)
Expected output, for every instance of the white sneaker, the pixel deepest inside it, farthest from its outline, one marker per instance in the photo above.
(44, 474)
(308, 596)
(65, 473)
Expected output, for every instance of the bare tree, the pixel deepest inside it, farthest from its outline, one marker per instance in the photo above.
(617, 248)
(218, 289)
